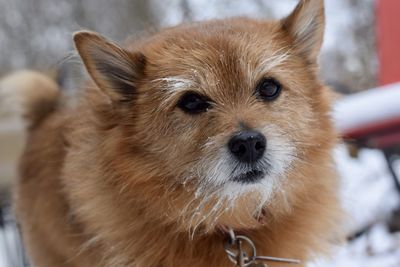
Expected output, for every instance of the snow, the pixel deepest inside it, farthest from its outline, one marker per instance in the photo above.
(368, 107)
(367, 190)
(10, 254)
(369, 197)
(378, 249)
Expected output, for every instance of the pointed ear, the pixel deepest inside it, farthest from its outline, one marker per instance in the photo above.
(306, 25)
(115, 70)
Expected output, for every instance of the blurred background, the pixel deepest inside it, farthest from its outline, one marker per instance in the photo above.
(360, 59)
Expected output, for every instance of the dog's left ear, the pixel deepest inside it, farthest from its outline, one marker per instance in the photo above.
(115, 70)
(306, 25)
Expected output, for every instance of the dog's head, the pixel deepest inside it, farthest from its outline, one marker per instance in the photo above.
(227, 116)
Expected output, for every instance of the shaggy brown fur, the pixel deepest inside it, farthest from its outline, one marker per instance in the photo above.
(121, 179)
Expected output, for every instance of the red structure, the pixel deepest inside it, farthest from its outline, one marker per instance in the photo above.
(388, 35)
(383, 132)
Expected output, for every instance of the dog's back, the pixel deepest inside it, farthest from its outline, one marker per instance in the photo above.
(26, 97)
(34, 97)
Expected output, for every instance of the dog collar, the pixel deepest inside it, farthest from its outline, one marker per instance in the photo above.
(241, 251)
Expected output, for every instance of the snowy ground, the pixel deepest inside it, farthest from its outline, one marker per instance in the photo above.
(10, 253)
(369, 197)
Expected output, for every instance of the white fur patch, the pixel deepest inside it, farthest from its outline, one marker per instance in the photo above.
(171, 86)
(175, 83)
(216, 173)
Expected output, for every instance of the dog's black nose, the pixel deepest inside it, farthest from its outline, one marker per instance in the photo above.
(248, 146)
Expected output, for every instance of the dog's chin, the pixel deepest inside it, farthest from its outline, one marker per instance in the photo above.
(234, 201)
(241, 202)
(250, 177)
(240, 218)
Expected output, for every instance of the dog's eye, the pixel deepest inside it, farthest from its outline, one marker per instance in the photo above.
(194, 103)
(268, 89)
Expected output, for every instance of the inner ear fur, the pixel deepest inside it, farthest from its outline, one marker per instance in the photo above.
(115, 70)
(306, 26)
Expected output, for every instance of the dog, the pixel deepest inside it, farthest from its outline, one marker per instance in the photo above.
(180, 138)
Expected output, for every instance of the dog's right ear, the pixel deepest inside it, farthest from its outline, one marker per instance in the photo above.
(115, 70)
(306, 25)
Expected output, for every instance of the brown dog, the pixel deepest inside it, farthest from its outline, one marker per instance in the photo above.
(181, 135)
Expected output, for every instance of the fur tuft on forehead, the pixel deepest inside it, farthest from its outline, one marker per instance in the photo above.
(174, 84)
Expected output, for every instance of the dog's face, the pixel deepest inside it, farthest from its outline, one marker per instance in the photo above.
(226, 114)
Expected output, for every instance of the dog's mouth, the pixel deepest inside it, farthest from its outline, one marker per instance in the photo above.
(249, 177)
